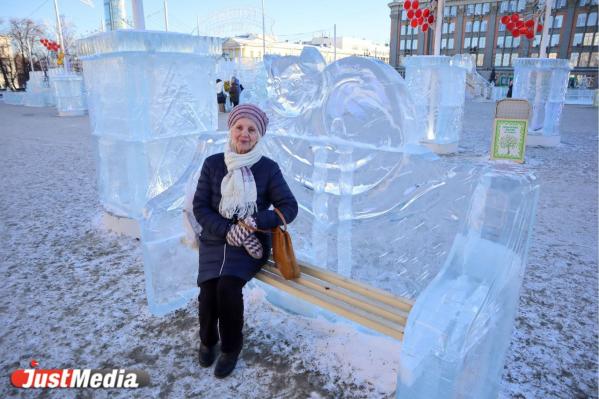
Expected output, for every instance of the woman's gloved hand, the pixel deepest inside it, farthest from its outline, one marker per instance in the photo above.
(239, 232)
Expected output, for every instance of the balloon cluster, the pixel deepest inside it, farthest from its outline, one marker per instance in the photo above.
(418, 17)
(519, 27)
(50, 45)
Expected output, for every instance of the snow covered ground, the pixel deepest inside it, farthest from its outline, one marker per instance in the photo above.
(72, 296)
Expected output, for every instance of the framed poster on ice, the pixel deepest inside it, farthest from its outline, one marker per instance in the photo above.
(509, 139)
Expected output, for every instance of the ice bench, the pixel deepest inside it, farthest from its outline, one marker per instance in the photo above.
(361, 303)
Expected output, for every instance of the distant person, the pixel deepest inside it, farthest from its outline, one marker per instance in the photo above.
(235, 91)
(221, 97)
(493, 77)
(509, 89)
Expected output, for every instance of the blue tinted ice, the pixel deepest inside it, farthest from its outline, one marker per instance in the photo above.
(150, 94)
(543, 82)
(376, 207)
(39, 93)
(437, 85)
(69, 93)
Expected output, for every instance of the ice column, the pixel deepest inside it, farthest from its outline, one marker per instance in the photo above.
(438, 85)
(150, 95)
(320, 206)
(70, 99)
(543, 82)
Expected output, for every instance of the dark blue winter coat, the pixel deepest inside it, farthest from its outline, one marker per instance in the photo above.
(217, 258)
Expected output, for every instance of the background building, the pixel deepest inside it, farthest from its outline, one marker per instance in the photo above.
(474, 27)
(250, 47)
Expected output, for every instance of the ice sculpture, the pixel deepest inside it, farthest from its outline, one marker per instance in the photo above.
(438, 84)
(460, 327)
(13, 97)
(378, 208)
(70, 98)
(171, 266)
(543, 82)
(150, 94)
(39, 93)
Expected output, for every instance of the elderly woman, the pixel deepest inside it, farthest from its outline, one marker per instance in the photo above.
(234, 193)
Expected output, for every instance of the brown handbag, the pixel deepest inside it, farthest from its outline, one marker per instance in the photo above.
(282, 251)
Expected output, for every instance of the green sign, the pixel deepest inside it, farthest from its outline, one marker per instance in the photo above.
(509, 139)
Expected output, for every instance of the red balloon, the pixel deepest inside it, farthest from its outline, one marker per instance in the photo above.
(431, 19)
(415, 4)
(511, 26)
(418, 13)
(424, 27)
(410, 14)
(414, 23)
(530, 23)
(426, 12)
(420, 21)
(519, 24)
(530, 35)
(505, 19)
(539, 28)
(523, 30)
(407, 5)
(515, 17)
(516, 33)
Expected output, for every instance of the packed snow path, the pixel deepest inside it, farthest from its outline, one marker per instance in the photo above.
(72, 296)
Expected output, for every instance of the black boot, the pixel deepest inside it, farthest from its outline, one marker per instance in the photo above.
(225, 364)
(207, 355)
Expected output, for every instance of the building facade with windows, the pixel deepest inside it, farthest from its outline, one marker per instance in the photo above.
(474, 27)
(250, 47)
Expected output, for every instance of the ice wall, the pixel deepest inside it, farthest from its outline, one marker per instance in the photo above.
(69, 94)
(38, 93)
(438, 88)
(150, 94)
(543, 82)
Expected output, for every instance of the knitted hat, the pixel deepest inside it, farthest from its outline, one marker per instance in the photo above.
(251, 112)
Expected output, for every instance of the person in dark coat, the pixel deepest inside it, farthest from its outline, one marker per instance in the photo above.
(239, 185)
(509, 89)
(235, 91)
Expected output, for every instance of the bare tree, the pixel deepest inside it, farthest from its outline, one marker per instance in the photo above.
(69, 32)
(23, 32)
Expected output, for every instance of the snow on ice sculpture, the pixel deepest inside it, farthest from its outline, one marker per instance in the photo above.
(439, 87)
(150, 94)
(69, 94)
(543, 82)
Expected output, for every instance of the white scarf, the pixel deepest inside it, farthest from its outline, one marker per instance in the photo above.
(238, 188)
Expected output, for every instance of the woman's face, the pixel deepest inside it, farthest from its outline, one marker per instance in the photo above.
(244, 135)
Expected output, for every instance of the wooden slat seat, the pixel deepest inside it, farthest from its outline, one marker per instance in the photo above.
(361, 303)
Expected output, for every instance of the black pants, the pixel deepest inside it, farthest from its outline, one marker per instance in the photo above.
(221, 311)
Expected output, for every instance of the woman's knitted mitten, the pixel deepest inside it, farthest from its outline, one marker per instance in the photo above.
(253, 246)
(237, 235)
